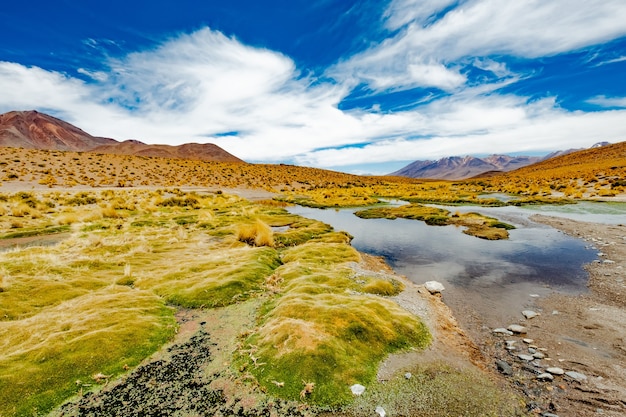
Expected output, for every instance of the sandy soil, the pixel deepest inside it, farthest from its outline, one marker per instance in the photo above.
(585, 334)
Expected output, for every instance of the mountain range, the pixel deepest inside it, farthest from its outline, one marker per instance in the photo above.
(35, 130)
(457, 168)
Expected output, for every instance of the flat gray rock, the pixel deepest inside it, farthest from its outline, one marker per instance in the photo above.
(527, 358)
(504, 367)
(555, 370)
(545, 377)
(516, 328)
(502, 330)
(577, 376)
(529, 314)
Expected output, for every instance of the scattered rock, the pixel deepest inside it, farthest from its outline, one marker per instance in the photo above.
(529, 314)
(577, 376)
(549, 415)
(555, 371)
(516, 328)
(434, 287)
(528, 341)
(381, 411)
(524, 357)
(502, 330)
(545, 376)
(538, 355)
(504, 367)
(408, 375)
(357, 389)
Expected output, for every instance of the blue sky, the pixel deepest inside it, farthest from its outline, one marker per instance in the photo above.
(357, 86)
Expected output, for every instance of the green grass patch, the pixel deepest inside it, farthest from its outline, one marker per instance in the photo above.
(54, 354)
(36, 231)
(221, 278)
(475, 224)
(436, 390)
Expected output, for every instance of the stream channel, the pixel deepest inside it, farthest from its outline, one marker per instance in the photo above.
(487, 282)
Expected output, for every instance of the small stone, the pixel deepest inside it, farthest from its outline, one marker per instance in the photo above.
(529, 314)
(408, 375)
(532, 349)
(545, 377)
(608, 261)
(381, 411)
(434, 287)
(502, 330)
(524, 357)
(528, 341)
(555, 312)
(555, 371)
(577, 376)
(516, 328)
(549, 415)
(357, 389)
(504, 367)
(538, 355)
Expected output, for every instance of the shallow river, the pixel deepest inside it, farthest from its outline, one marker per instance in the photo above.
(492, 281)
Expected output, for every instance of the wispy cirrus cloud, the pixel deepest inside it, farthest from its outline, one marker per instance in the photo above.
(605, 101)
(443, 34)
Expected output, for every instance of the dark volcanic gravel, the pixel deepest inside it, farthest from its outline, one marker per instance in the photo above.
(174, 386)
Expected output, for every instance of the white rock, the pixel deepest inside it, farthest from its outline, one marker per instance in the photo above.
(501, 330)
(555, 371)
(434, 287)
(357, 389)
(539, 355)
(545, 376)
(408, 375)
(528, 341)
(516, 328)
(577, 376)
(525, 357)
(381, 411)
(529, 314)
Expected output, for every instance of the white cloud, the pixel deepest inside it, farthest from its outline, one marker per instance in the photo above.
(604, 101)
(478, 28)
(194, 87)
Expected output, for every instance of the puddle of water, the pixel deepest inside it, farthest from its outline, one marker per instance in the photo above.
(494, 279)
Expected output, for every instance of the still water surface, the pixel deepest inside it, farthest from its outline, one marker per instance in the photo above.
(492, 281)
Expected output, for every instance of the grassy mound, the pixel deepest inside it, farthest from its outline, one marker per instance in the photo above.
(323, 332)
(475, 224)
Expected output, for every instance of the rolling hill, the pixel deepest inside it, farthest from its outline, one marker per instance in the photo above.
(35, 130)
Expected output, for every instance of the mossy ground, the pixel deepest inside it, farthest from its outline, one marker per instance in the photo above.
(475, 224)
(82, 311)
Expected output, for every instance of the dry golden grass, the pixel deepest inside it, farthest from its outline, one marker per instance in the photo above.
(106, 285)
(256, 234)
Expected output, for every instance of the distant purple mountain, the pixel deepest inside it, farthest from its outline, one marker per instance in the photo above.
(458, 168)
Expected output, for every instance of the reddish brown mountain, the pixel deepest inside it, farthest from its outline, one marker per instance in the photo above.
(196, 151)
(34, 130)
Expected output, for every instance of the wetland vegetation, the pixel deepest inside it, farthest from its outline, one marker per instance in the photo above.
(78, 313)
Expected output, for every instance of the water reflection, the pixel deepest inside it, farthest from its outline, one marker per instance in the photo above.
(498, 276)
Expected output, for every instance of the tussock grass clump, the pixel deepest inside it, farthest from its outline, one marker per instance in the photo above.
(333, 340)
(256, 234)
(383, 287)
(322, 329)
(52, 355)
(221, 278)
